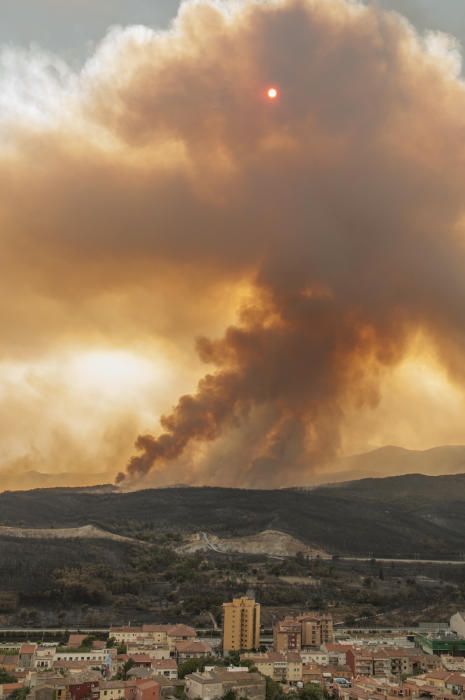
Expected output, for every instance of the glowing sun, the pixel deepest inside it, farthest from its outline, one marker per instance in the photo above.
(112, 370)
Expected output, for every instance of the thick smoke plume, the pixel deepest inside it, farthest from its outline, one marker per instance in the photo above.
(338, 210)
(345, 199)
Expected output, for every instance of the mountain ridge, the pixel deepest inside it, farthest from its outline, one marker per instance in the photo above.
(388, 460)
(389, 516)
(393, 460)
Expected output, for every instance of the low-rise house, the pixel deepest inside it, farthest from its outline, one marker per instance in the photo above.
(456, 683)
(7, 689)
(123, 635)
(337, 653)
(95, 658)
(112, 690)
(37, 678)
(9, 662)
(324, 675)
(316, 657)
(143, 690)
(419, 687)
(263, 662)
(147, 690)
(141, 660)
(452, 682)
(282, 667)
(50, 689)
(180, 633)
(70, 667)
(43, 657)
(452, 663)
(369, 689)
(438, 678)
(311, 673)
(294, 671)
(214, 683)
(167, 668)
(150, 648)
(158, 635)
(84, 686)
(169, 688)
(191, 649)
(155, 634)
(26, 655)
(140, 674)
(137, 661)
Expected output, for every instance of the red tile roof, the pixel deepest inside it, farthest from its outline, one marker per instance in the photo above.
(181, 631)
(193, 647)
(27, 648)
(164, 663)
(141, 658)
(155, 628)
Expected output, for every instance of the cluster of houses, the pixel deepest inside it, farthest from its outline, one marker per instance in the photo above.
(161, 642)
(141, 663)
(434, 685)
(135, 663)
(341, 661)
(147, 670)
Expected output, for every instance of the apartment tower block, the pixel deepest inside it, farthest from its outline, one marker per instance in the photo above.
(241, 625)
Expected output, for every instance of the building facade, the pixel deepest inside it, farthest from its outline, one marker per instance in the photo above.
(303, 631)
(241, 625)
(214, 683)
(281, 667)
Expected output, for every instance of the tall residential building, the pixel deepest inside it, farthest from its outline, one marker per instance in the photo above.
(287, 635)
(241, 625)
(307, 630)
(317, 629)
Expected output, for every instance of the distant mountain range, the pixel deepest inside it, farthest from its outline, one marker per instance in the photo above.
(392, 461)
(384, 461)
(11, 479)
(395, 516)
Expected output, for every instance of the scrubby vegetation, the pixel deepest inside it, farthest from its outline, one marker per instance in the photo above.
(414, 515)
(97, 583)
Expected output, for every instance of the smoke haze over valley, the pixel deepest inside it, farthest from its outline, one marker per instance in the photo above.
(249, 291)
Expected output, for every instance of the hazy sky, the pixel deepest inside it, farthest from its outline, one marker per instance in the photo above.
(443, 15)
(72, 27)
(260, 285)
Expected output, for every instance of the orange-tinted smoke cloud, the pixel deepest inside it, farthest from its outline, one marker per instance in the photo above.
(346, 198)
(341, 204)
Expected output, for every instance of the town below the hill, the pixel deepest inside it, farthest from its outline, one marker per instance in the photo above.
(304, 656)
